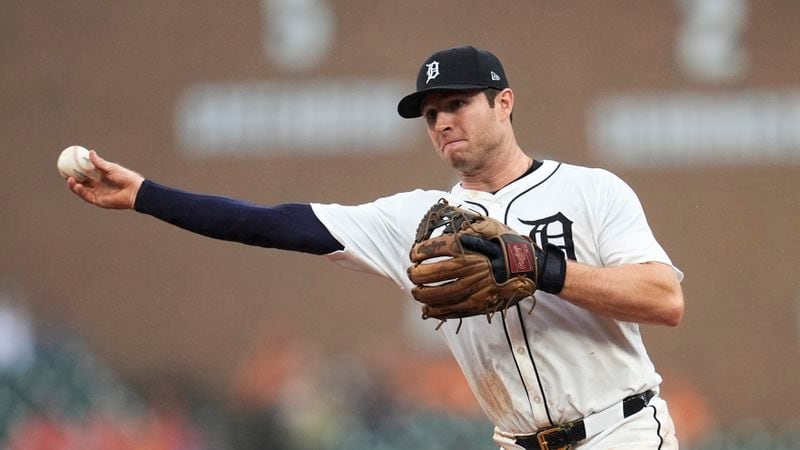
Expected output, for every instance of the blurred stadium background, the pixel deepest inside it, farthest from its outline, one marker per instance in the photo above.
(121, 332)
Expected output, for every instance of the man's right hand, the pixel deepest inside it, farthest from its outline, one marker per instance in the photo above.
(116, 189)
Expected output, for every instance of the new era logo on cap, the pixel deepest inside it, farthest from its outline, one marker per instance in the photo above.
(456, 68)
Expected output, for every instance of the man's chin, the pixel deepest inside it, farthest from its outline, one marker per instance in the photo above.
(457, 159)
(465, 166)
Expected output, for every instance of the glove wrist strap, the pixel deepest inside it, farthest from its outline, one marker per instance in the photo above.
(553, 269)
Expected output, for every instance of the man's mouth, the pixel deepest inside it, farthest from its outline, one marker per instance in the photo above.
(450, 141)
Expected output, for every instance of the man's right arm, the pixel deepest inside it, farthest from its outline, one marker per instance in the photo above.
(288, 226)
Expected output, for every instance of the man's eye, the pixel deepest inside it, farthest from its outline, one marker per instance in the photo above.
(430, 116)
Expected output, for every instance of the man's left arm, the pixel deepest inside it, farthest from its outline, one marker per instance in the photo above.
(636, 280)
(644, 293)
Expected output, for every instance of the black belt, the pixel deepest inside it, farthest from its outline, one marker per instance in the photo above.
(562, 436)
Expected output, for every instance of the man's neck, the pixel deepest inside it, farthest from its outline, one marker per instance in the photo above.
(492, 179)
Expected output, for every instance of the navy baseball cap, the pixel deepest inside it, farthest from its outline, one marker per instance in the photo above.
(457, 68)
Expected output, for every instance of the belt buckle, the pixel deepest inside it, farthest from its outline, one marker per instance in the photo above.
(544, 444)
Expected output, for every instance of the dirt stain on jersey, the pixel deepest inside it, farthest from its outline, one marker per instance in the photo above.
(494, 394)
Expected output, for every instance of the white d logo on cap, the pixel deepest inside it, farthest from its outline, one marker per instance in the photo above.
(433, 71)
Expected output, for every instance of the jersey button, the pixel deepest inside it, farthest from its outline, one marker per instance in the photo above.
(537, 400)
(521, 350)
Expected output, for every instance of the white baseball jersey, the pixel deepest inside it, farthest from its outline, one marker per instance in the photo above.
(546, 361)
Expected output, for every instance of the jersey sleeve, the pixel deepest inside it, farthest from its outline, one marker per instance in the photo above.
(377, 236)
(623, 234)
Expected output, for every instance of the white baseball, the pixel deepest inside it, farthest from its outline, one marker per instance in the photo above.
(74, 162)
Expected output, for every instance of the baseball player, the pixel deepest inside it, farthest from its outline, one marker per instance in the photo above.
(564, 367)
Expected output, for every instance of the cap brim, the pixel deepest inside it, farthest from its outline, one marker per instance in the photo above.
(410, 105)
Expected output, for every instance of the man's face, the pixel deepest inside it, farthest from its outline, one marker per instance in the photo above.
(463, 128)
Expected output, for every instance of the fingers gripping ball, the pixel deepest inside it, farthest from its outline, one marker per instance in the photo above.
(74, 162)
(476, 266)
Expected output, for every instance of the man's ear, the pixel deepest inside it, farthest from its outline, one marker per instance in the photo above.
(505, 102)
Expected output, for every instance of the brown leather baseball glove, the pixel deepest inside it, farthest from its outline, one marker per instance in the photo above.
(477, 265)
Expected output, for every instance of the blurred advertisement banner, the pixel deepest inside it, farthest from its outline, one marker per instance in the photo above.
(312, 117)
(677, 129)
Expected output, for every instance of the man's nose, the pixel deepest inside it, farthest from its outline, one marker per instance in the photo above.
(444, 122)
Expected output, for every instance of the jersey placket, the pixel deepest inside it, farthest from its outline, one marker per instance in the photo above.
(519, 344)
(527, 367)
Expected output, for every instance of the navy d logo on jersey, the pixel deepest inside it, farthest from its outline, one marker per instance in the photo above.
(433, 71)
(556, 230)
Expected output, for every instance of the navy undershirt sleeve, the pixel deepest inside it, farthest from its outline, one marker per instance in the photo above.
(290, 226)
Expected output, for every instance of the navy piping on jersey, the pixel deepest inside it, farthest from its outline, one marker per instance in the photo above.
(508, 208)
(290, 226)
(519, 371)
(535, 369)
(485, 211)
(658, 429)
(535, 164)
